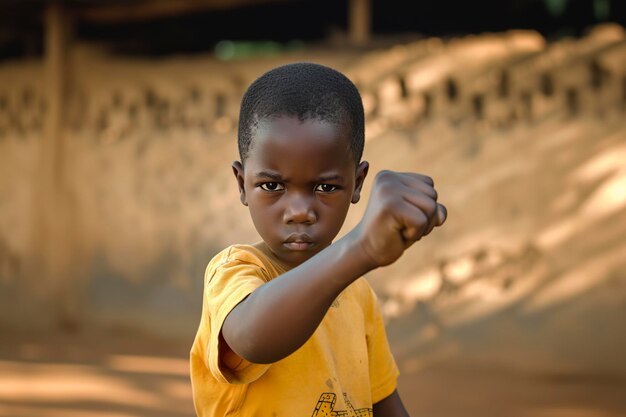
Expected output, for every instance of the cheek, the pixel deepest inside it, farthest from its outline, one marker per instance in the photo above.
(336, 215)
(264, 214)
(263, 225)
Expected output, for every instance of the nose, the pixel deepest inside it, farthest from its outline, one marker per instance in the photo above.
(299, 209)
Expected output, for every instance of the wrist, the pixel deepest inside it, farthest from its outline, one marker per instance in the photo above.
(356, 250)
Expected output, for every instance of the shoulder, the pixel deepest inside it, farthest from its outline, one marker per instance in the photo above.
(362, 289)
(361, 292)
(239, 257)
(368, 300)
(237, 254)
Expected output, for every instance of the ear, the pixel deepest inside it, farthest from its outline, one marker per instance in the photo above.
(361, 173)
(239, 175)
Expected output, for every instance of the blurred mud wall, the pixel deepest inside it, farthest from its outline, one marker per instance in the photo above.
(115, 221)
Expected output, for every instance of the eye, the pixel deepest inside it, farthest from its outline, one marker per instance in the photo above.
(326, 188)
(271, 186)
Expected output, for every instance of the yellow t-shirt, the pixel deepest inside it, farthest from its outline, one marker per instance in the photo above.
(342, 370)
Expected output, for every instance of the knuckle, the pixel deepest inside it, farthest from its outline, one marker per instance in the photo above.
(385, 177)
(383, 174)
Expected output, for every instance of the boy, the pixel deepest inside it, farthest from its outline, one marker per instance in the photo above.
(288, 328)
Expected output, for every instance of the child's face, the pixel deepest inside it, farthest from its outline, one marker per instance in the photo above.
(298, 182)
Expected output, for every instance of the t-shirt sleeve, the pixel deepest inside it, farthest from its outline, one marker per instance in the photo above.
(226, 285)
(382, 366)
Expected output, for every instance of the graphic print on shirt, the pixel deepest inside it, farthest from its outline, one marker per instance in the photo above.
(326, 407)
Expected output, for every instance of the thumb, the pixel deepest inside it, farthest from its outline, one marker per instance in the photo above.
(442, 214)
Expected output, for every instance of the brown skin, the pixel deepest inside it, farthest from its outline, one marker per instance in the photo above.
(298, 182)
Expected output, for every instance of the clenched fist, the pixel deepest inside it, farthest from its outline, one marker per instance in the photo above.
(401, 210)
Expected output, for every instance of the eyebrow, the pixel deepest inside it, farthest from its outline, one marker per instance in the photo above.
(330, 177)
(271, 175)
(277, 177)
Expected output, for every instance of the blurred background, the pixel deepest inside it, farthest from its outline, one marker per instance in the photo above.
(118, 128)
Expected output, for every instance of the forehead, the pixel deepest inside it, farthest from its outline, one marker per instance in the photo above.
(308, 142)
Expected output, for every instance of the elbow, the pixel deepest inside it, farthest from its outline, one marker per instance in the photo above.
(258, 348)
(259, 357)
(248, 346)
(258, 351)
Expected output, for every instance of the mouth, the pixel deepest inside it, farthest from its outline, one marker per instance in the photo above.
(298, 242)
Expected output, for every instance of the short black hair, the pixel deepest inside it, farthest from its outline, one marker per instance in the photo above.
(307, 91)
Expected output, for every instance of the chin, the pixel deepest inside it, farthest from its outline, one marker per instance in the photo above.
(297, 257)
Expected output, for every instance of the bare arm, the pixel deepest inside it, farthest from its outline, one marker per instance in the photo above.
(390, 407)
(280, 316)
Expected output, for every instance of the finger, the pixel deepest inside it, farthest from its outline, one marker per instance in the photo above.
(437, 220)
(425, 178)
(421, 201)
(428, 180)
(434, 220)
(417, 182)
(425, 188)
(412, 223)
(428, 206)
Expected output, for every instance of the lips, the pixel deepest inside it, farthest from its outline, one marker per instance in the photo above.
(298, 241)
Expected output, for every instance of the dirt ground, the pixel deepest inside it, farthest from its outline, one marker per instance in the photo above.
(118, 374)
